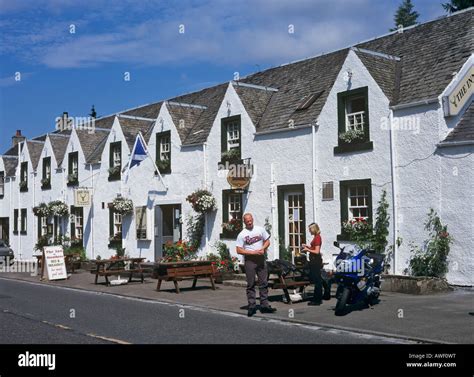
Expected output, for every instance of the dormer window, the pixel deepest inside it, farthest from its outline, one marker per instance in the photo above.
(353, 121)
(231, 139)
(73, 169)
(46, 178)
(2, 184)
(163, 152)
(115, 161)
(24, 176)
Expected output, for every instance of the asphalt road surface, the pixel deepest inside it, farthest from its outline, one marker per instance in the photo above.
(39, 314)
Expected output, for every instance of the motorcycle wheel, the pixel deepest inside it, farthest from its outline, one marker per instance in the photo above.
(342, 301)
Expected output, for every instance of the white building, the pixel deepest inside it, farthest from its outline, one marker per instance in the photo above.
(393, 92)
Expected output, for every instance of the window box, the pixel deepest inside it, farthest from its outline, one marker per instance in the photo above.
(228, 234)
(164, 166)
(23, 186)
(356, 203)
(353, 121)
(72, 179)
(114, 173)
(45, 184)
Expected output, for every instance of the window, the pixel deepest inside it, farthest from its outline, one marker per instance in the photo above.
(24, 176)
(353, 121)
(141, 223)
(42, 226)
(328, 191)
(231, 139)
(163, 152)
(77, 225)
(115, 161)
(73, 169)
(115, 228)
(2, 184)
(356, 201)
(15, 221)
(23, 221)
(46, 179)
(231, 214)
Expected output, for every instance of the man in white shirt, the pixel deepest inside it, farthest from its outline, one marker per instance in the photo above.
(252, 243)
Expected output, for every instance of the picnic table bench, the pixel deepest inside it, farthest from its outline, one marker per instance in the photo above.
(110, 267)
(178, 271)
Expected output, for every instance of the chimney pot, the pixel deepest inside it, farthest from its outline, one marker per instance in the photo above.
(17, 138)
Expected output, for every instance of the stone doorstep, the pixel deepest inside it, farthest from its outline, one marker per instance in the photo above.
(414, 285)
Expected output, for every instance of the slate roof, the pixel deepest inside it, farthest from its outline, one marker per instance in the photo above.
(464, 130)
(255, 100)
(34, 150)
(184, 117)
(429, 53)
(131, 128)
(92, 144)
(10, 165)
(59, 145)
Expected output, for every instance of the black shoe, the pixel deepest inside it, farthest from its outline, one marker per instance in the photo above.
(251, 312)
(267, 309)
(327, 296)
(314, 303)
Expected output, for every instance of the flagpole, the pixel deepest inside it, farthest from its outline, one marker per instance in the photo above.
(152, 160)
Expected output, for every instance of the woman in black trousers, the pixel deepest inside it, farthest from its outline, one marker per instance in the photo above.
(315, 265)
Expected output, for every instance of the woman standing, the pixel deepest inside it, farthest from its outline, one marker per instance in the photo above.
(316, 264)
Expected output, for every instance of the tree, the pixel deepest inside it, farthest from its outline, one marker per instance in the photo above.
(405, 15)
(457, 5)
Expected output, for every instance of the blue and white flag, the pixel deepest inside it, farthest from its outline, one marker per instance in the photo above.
(139, 152)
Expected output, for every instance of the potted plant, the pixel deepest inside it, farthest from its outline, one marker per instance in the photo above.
(122, 206)
(351, 136)
(202, 201)
(41, 210)
(58, 208)
(232, 228)
(23, 185)
(231, 156)
(114, 172)
(163, 165)
(45, 182)
(72, 179)
(179, 251)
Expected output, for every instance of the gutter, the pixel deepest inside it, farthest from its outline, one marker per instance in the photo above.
(283, 129)
(313, 175)
(445, 144)
(413, 104)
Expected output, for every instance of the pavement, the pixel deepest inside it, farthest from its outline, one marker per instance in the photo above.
(437, 318)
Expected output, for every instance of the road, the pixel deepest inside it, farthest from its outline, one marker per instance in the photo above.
(39, 314)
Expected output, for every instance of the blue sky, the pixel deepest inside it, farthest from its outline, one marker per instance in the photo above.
(64, 71)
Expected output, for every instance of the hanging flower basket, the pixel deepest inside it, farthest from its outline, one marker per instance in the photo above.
(202, 201)
(42, 210)
(122, 206)
(58, 208)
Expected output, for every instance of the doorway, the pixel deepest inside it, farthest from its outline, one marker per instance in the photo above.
(291, 217)
(167, 226)
(4, 229)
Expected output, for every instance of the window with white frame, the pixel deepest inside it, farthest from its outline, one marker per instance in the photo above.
(141, 223)
(23, 221)
(235, 206)
(233, 135)
(117, 223)
(165, 147)
(355, 113)
(77, 223)
(117, 156)
(44, 225)
(358, 202)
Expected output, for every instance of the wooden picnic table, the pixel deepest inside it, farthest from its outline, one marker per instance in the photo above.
(189, 270)
(118, 266)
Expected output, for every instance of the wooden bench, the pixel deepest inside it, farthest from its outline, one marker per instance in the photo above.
(109, 267)
(288, 282)
(185, 271)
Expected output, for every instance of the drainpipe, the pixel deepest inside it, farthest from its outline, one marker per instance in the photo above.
(204, 149)
(19, 203)
(35, 219)
(91, 212)
(313, 175)
(273, 192)
(394, 193)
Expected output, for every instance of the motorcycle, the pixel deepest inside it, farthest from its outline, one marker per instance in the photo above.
(357, 276)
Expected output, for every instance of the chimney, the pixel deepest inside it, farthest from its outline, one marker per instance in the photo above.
(17, 138)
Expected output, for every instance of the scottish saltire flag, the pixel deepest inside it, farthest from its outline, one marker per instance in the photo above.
(139, 152)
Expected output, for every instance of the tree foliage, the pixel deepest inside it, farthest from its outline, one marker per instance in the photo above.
(457, 5)
(405, 15)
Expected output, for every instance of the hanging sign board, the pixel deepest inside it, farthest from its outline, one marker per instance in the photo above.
(460, 95)
(82, 197)
(239, 176)
(55, 263)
